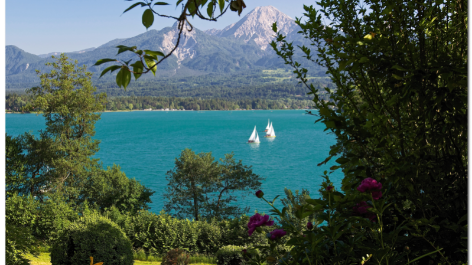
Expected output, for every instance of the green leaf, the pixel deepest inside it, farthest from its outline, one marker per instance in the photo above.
(398, 67)
(123, 77)
(274, 27)
(122, 48)
(133, 6)
(154, 53)
(161, 4)
(192, 9)
(110, 68)
(397, 77)
(137, 67)
(222, 5)
(363, 60)
(148, 18)
(151, 63)
(119, 78)
(325, 112)
(210, 9)
(343, 65)
(314, 201)
(178, 2)
(101, 61)
(330, 124)
(342, 160)
(275, 199)
(126, 78)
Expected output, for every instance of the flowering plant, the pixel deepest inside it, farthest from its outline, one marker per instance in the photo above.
(345, 226)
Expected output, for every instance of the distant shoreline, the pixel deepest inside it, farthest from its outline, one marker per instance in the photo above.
(162, 111)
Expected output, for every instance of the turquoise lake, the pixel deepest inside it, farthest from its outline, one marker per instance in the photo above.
(146, 143)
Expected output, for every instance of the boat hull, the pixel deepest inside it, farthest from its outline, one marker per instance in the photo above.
(270, 136)
(253, 142)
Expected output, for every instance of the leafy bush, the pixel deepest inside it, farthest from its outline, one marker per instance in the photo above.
(210, 237)
(19, 242)
(54, 215)
(92, 235)
(230, 255)
(157, 234)
(176, 257)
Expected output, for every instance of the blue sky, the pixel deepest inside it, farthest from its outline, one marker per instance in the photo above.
(40, 27)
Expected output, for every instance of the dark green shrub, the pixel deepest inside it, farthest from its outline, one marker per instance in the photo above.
(210, 237)
(176, 257)
(230, 255)
(92, 235)
(157, 234)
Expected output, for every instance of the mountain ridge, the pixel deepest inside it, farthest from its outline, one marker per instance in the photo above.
(241, 46)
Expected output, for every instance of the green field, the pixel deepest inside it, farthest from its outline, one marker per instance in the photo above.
(45, 259)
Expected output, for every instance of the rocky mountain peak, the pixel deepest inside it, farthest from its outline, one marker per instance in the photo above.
(257, 26)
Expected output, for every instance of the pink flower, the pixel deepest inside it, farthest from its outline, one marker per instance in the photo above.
(258, 220)
(244, 251)
(361, 210)
(376, 195)
(309, 226)
(259, 194)
(371, 185)
(277, 233)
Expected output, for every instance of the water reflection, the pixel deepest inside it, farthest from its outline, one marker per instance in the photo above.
(254, 146)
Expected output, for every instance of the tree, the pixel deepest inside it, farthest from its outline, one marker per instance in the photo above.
(70, 109)
(201, 187)
(60, 160)
(399, 109)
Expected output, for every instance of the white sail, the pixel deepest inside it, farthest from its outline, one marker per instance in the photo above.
(270, 132)
(268, 126)
(253, 135)
(257, 138)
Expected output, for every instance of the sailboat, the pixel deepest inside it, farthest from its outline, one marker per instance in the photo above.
(270, 132)
(268, 126)
(254, 139)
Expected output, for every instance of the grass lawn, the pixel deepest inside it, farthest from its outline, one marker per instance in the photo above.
(45, 259)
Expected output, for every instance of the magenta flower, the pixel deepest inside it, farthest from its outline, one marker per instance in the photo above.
(309, 226)
(371, 185)
(329, 188)
(277, 233)
(259, 194)
(376, 195)
(258, 220)
(244, 251)
(360, 209)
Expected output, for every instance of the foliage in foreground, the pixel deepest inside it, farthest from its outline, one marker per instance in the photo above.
(92, 235)
(400, 119)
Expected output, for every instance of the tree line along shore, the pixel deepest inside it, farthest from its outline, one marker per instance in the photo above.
(14, 102)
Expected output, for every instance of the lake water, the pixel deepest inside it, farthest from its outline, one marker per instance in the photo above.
(146, 143)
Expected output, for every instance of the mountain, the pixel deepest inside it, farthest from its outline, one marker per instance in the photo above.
(256, 26)
(240, 47)
(58, 53)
